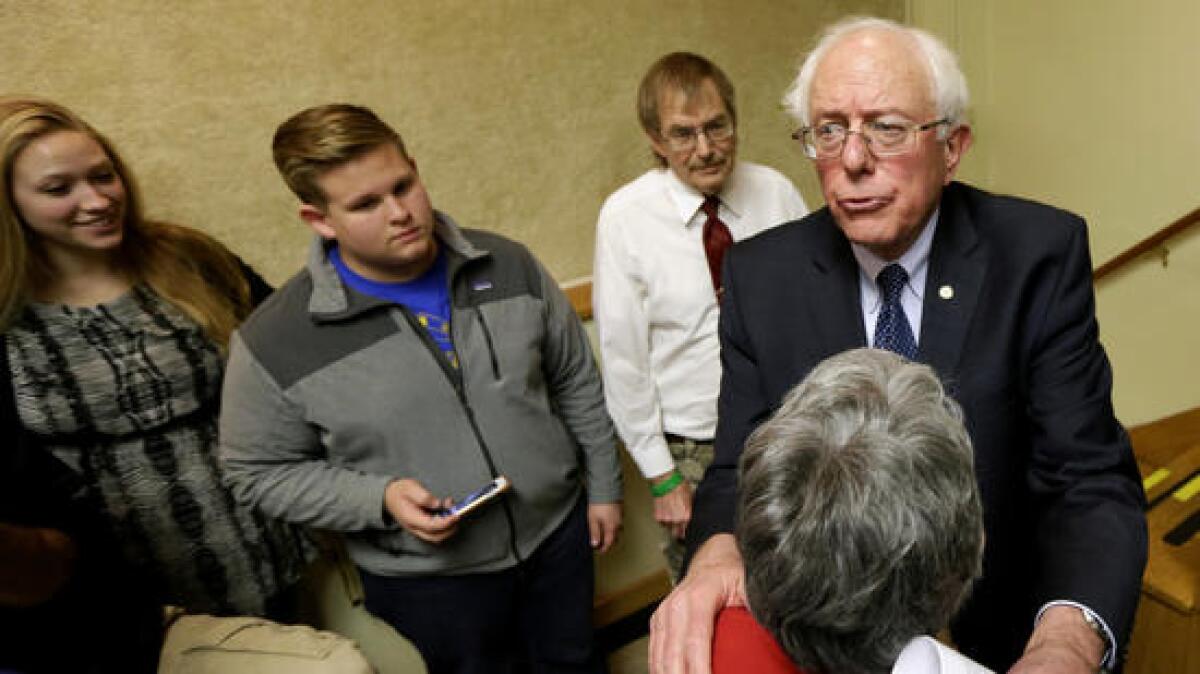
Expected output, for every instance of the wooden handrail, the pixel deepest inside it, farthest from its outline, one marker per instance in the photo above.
(579, 292)
(1148, 244)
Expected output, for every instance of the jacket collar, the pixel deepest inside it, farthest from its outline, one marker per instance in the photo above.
(957, 266)
(331, 300)
(836, 313)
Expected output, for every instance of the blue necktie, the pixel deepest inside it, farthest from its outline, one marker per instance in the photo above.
(892, 331)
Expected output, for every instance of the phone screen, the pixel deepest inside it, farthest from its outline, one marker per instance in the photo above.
(477, 497)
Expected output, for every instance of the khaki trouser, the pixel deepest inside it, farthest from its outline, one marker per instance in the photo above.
(203, 644)
(692, 459)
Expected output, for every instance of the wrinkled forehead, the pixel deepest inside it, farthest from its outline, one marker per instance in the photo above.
(873, 71)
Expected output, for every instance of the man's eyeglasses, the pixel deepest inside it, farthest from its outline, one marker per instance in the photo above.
(683, 138)
(885, 138)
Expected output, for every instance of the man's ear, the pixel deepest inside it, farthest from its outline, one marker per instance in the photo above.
(316, 218)
(658, 147)
(957, 144)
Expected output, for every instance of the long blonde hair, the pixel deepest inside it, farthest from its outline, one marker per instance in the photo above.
(186, 267)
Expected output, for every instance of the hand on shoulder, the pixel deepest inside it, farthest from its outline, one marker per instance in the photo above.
(681, 630)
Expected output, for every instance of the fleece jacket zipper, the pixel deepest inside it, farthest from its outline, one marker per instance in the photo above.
(455, 377)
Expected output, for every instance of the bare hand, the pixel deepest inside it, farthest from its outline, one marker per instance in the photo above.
(412, 506)
(681, 630)
(1062, 643)
(673, 510)
(36, 563)
(604, 523)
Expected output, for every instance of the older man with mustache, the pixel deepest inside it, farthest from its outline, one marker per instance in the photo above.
(659, 244)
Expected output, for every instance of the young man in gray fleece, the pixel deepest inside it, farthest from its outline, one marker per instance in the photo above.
(409, 363)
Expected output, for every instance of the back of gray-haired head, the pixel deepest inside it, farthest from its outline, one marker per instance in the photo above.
(948, 85)
(859, 516)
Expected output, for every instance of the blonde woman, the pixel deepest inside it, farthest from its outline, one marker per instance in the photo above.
(113, 330)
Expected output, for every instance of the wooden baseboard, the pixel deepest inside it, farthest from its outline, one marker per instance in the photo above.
(611, 607)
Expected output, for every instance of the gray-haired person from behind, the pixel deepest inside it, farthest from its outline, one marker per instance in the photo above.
(859, 516)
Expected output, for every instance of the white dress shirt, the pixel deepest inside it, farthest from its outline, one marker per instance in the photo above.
(926, 655)
(915, 261)
(654, 305)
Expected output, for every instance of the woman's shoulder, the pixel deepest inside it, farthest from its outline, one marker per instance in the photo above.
(741, 644)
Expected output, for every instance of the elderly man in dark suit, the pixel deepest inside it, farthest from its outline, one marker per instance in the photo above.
(993, 292)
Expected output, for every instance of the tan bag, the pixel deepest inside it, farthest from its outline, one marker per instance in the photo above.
(203, 644)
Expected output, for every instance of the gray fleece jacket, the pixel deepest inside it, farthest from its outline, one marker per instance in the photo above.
(330, 394)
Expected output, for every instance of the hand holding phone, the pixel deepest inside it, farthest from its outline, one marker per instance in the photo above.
(411, 506)
(477, 498)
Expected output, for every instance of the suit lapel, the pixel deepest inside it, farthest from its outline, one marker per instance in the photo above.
(957, 267)
(833, 294)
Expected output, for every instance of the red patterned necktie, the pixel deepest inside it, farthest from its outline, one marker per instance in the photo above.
(717, 240)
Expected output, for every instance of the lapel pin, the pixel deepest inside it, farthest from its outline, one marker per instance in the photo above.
(946, 292)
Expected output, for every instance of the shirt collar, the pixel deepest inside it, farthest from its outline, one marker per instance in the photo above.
(915, 260)
(331, 301)
(688, 199)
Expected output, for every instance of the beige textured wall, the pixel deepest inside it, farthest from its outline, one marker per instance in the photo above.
(519, 112)
(1093, 106)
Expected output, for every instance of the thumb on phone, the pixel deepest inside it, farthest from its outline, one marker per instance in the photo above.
(412, 506)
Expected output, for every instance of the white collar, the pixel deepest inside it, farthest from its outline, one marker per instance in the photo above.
(688, 199)
(913, 260)
(925, 655)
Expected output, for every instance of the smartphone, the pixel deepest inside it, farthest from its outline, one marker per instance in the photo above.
(477, 498)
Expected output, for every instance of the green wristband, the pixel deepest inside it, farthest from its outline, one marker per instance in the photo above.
(666, 486)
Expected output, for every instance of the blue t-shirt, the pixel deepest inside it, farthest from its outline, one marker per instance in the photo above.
(427, 297)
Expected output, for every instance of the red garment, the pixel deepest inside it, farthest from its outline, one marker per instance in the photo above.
(741, 646)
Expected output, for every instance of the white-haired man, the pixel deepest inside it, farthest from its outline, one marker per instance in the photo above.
(995, 294)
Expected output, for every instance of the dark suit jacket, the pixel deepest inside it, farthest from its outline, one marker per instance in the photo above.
(1016, 345)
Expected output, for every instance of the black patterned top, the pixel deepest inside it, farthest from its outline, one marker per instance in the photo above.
(126, 393)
